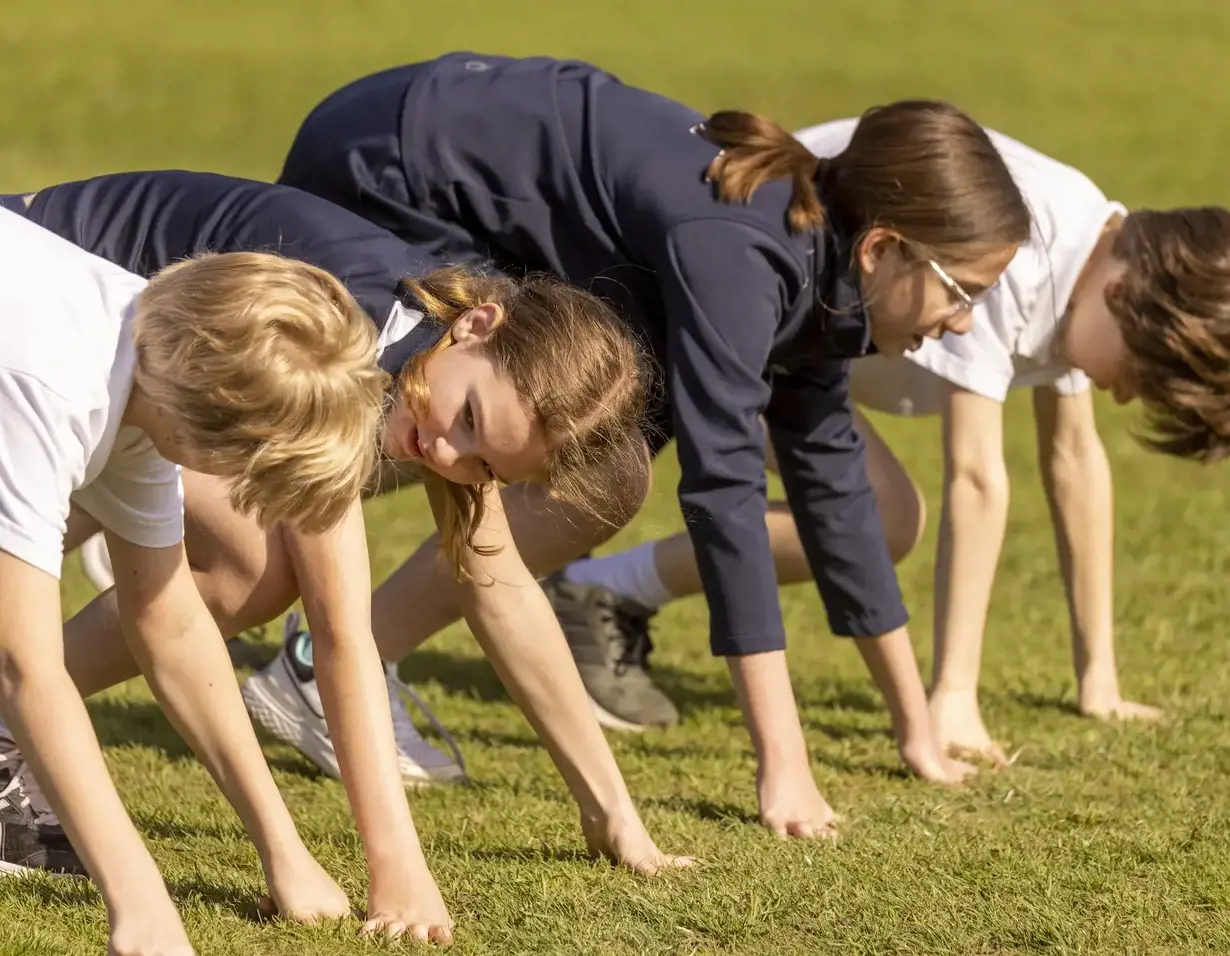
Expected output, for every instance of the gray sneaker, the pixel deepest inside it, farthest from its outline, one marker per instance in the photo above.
(31, 838)
(609, 638)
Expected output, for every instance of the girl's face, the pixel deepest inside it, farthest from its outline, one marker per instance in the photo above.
(908, 301)
(474, 428)
(1092, 340)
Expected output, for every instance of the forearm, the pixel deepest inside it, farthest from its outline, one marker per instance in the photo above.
(350, 677)
(890, 660)
(48, 719)
(971, 535)
(517, 629)
(1078, 486)
(766, 697)
(190, 673)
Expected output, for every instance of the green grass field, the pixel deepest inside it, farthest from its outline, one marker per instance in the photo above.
(1101, 839)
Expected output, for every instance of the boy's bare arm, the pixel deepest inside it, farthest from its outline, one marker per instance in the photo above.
(182, 655)
(335, 582)
(48, 720)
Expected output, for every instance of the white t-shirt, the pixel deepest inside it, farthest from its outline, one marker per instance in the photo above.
(1012, 343)
(66, 372)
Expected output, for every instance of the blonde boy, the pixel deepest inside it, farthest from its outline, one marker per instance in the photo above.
(247, 366)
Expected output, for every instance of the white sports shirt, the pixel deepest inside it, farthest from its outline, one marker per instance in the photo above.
(1012, 343)
(66, 372)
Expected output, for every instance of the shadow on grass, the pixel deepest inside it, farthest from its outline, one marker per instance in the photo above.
(141, 723)
(242, 903)
(529, 854)
(703, 809)
(1046, 702)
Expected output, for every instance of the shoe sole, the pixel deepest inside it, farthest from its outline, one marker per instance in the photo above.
(17, 871)
(265, 705)
(612, 722)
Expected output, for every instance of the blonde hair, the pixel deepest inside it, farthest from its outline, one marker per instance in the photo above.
(578, 372)
(268, 365)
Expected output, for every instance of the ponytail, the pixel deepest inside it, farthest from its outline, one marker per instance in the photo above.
(920, 167)
(755, 150)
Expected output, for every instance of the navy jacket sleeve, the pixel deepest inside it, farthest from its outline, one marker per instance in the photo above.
(724, 300)
(824, 471)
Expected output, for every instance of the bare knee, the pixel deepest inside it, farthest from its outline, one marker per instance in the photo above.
(904, 514)
(246, 588)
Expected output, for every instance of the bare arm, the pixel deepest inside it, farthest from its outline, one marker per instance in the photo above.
(513, 621)
(181, 653)
(335, 580)
(48, 719)
(1077, 479)
(971, 534)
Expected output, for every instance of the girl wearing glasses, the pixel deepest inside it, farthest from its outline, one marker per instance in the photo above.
(1023, 336)
(753, 272)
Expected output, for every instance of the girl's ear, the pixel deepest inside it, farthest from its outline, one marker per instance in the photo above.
(478, 323)
(877, 245)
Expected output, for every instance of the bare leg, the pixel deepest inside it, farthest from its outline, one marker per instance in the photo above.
(902, 510)
(243, 574)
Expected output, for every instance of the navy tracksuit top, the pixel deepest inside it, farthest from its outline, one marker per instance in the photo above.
(541, 164)
(147, 220)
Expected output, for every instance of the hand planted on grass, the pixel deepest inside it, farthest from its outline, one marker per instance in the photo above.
(404, 902)
(627, 843)
(791, 806)
(301, 891)
(959, 728)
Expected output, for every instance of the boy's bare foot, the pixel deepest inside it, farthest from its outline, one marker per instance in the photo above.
(627, 843)
(959, 728)
(791, 806)
(405, 902)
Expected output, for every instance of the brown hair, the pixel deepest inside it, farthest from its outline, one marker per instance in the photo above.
(577, 370)
(919, 167)
(1172, 306)
(268, 366)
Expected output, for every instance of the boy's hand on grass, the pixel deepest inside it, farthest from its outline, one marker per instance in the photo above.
(406, 903)
(304, 893)
(627, 843)
(156, 931)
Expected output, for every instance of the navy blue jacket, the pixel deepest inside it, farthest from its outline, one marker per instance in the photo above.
(147, 220)
(549, 165)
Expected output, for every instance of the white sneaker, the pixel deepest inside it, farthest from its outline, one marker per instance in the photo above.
(96, 560)
(284, 700)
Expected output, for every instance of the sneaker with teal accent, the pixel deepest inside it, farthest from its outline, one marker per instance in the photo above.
(283, 699)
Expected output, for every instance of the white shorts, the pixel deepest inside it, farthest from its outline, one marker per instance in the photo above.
(895, 386)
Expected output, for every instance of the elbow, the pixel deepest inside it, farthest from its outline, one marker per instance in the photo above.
(1073, 457)
(21, 670)
(984, 486)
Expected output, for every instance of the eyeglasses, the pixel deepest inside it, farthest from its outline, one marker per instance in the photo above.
(965, 302)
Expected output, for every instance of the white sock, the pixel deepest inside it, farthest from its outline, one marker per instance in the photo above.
(631, 574)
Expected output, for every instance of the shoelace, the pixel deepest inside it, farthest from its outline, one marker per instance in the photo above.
(22, 789)
(403, 726)
(627, 623)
